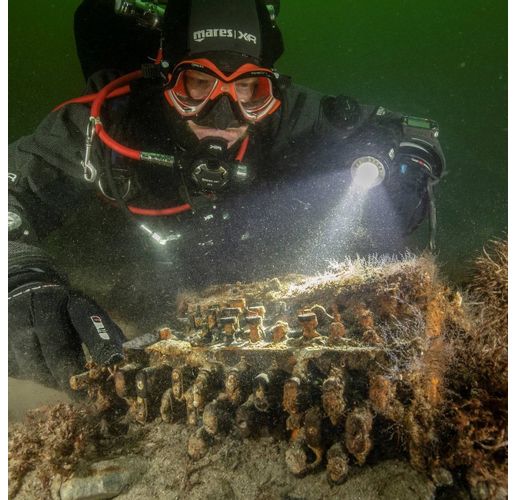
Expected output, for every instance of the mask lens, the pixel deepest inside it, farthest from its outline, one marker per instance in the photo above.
(193, 87)
(254, 93)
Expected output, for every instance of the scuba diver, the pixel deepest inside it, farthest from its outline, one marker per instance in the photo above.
(201, 164)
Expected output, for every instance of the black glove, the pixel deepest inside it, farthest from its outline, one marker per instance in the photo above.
(48, 323)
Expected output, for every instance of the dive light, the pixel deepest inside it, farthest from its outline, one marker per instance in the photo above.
(372, 165)
(372, 152)
(368, 172)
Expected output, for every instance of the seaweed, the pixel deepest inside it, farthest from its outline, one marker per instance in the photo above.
(51, 441)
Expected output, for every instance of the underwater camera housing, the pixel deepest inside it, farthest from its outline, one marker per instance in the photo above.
(372, 160)
(420, 145)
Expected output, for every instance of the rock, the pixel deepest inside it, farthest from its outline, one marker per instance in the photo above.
(442, 477)
(295, 458)
(55, 487)
(104, 479)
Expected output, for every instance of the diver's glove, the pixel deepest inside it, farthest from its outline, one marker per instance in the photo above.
(48, 323)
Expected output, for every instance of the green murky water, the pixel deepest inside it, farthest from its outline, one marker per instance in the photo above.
(444, 60)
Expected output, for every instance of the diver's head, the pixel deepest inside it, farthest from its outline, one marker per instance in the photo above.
(230, 31)
(220, 54)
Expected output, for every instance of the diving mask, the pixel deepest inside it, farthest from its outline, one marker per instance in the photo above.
(196, 85)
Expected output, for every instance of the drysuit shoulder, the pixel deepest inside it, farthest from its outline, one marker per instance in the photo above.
(309, 112)
(340, 111)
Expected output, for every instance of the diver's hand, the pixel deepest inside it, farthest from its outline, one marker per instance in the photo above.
(47, 325)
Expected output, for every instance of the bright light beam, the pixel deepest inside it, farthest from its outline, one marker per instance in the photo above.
(346, 232)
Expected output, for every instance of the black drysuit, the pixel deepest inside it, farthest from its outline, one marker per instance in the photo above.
(295, 215)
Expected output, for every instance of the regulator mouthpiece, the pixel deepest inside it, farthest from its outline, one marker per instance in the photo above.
(368, 172)
(210, 170)
(213, 170)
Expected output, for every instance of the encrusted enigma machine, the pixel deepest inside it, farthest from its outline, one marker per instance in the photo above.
(327, 363)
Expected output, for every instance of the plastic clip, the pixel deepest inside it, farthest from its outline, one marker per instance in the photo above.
(89, 170)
